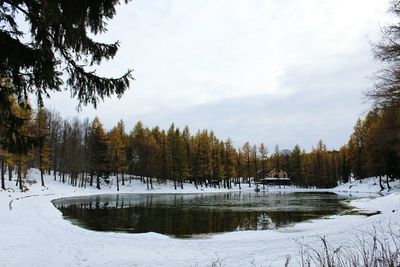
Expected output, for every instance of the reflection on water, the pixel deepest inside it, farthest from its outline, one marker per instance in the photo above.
(190, 214)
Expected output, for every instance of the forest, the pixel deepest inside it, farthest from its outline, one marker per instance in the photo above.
(84, 153)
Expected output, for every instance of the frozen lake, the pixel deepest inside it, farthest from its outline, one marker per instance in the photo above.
(185, 215)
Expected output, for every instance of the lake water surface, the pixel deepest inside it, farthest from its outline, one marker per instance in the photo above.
(192, 214)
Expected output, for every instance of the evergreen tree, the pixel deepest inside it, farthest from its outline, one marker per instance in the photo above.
(98, 147)
(59, 37)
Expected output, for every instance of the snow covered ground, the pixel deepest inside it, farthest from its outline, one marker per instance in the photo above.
(33, 232)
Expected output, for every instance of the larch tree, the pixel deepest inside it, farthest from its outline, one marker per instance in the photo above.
(55, 124)
(74, 151)
(138, 146)
(246, 152)
(185, 138)
(43, 149)
(373, 146)
(356, 150)
(157, 165)
(22, 157)
(263, 150)
(153, 158)
(296, 165)
(344, 165)
(253, 153)
(182, 157)
(4, 155)
(277, 159)
(389, 142)
(166, 157)
(230, 162)
(217, 151)
(117, 150)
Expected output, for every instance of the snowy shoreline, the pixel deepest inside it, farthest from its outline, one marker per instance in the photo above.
(33, 230)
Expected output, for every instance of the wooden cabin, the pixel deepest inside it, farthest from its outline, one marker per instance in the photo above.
(275, 181)
(277, 174)
(275, 177)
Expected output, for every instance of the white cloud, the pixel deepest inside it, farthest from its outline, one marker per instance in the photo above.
(197, 53)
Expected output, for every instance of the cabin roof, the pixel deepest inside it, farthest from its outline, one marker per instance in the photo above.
(275, 179)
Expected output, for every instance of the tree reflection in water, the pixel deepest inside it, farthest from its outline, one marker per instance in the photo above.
(183, 215)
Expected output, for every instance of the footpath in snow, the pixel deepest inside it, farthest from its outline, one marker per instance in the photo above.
(33, 232)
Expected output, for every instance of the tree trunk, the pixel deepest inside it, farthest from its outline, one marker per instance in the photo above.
(118, 182)
(98, 182)
(123, 178)
(380, 183)
(3, 185)
(41, 177)
(387, 182)
(91, 179)
(81, 180)
(20, 179)
(151, 184)
(9, 173)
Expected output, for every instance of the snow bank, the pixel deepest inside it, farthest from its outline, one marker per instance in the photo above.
(368, 185)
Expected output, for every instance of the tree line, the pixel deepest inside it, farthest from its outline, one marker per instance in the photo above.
(82, 152)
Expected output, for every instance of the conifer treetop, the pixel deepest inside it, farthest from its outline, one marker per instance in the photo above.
(59, 43)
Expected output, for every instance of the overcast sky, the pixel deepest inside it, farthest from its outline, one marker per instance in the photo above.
(274, 71)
